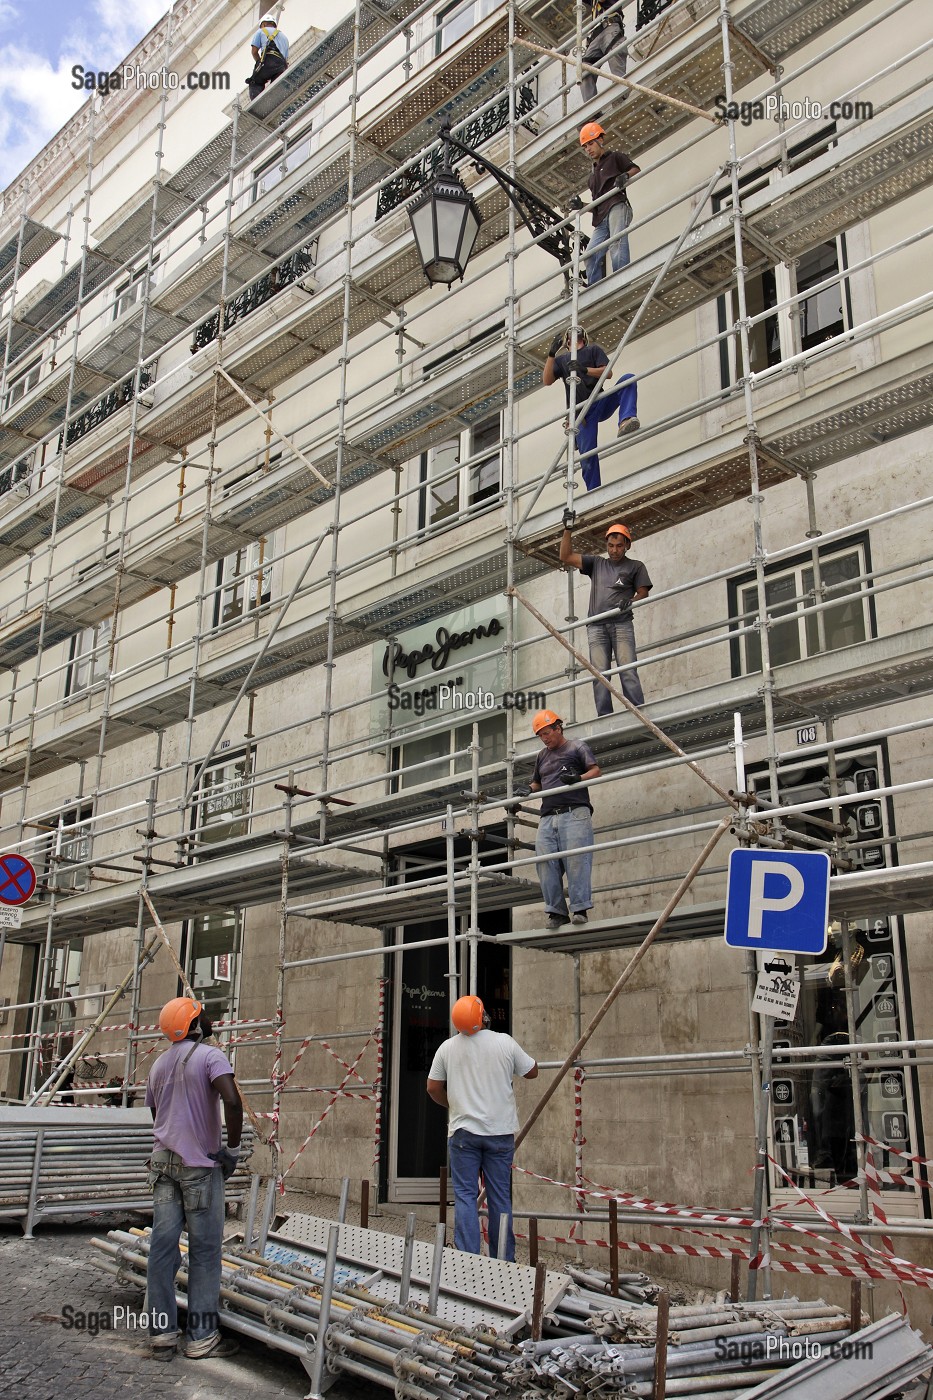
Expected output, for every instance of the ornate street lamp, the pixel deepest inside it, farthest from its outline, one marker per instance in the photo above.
(445, 222)
(445, 219)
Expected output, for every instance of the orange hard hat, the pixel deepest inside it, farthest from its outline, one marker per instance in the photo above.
(543, 718)
(620, 530)
(590, 132)
(176, 1016)
(467, 1015)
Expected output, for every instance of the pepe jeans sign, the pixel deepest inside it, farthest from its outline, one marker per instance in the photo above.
(397, 660)
(439, 667)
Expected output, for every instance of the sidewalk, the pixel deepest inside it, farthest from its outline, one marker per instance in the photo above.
(49, 1281)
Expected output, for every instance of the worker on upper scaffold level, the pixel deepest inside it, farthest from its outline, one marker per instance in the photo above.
(615, 583)
(612, 211)
(566, 821)
(471, 1076)
(270, 55)
(587, 363)
(605, 40)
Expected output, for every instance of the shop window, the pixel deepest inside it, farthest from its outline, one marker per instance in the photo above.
(222, 805)
(462, 473)
(813, 1100)
(458, 19)
(244, 583)
(88, 658)
(23, 384)
(62, 856)
(794, 634)
(820, 317)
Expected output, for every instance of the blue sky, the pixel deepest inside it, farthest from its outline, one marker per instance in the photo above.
(41, 42)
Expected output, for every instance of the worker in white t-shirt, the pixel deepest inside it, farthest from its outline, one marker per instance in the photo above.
(471, 1076)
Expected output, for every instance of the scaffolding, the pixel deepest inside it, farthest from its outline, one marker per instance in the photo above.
(233, 350)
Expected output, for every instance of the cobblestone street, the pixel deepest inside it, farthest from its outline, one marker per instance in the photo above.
(49, 1280)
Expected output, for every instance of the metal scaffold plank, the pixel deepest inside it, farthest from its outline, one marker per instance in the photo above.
(37, 240)
(398, 905)
(127, 230)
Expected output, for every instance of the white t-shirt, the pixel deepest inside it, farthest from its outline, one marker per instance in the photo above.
(478, 1071)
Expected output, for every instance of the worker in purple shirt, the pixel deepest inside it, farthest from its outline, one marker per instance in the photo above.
(188, 1169)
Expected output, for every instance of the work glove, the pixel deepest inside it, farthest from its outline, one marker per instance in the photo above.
(569, 518)
(575, 203)
(575, 367)
(555, 346)
(519, 791)
(226, 1159)
(621, 182)
(568, 776)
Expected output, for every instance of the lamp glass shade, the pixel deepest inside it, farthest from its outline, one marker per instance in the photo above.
(445, 222)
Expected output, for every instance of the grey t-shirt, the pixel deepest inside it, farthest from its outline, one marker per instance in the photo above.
(478, 1071)
(613, 585)
(572, 754)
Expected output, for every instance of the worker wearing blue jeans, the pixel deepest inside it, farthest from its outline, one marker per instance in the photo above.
(471, 1076)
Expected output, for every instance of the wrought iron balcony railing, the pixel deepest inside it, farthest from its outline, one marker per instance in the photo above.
(105, 407)
(15, 474)
(482, 128)
(297, 265)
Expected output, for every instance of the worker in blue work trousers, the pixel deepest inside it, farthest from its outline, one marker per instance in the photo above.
(587, 363)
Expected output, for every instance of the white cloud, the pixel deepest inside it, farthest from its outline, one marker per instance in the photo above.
(39, 97)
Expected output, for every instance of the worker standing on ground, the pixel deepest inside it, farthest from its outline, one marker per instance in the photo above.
(606, 40)
(566, 820)
(612, 212)
(587, 362)
(188, 1169)
(471, 1076)
(270, 55)
(615, 583)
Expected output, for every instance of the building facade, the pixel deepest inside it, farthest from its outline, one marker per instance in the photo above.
(274, 510)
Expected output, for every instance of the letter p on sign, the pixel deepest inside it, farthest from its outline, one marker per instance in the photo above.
(775, 875)
(778, 900)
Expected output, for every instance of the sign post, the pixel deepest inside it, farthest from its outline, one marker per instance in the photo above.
(776, 901)
(17, 885)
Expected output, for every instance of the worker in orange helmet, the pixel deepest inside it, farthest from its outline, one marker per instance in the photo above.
(615, 583)
(566, 821)
(612, 212)
(188, 1168)
(471, 1076)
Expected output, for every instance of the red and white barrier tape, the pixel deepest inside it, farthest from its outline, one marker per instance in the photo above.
(330, 1103)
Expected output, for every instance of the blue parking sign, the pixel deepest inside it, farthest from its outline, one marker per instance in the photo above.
(778, 900)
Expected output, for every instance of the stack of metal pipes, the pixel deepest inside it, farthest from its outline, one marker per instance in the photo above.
(634, 1288)
(404, 1349)
(80, 1168)
(714, 1351)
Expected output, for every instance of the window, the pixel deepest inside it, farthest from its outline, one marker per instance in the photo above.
(63, 852)
(443, 746)
(820, 317)
(789, 589)
(220, 812)
(16, 474)
(88, 658)
(23, 384)
(458, 19)
(461, 473)
(268, 175)
(131, 291)
(221, 808)
(244, 582)
(813, 1103)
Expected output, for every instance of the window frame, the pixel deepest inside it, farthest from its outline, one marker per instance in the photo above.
(449, 11)
(254, 599)
(128, 293)
(86, 658)
(23, 384)
(827, 552)
(787, 326)
(469, 464)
